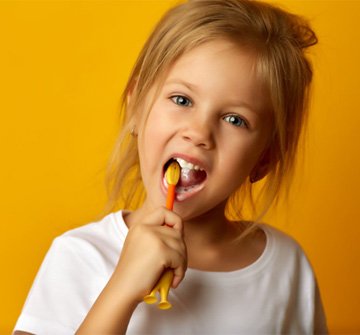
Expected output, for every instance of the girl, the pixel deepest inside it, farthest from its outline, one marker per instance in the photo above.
(221, 86)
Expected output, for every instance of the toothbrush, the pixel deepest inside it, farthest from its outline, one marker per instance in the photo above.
(172, 176)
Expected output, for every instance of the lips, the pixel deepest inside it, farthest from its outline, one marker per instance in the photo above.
(192, 178)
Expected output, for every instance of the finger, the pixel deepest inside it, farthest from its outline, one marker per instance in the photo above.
(179, 274)
(169, 232)
(173, 220)
(176, 281)
(170, 239)
(162, 216)
(176, 259)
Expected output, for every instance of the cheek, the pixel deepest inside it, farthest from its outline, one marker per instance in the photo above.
(241, 160)
(157, 122)
(152, 139)
(237, 172)
(151, 142)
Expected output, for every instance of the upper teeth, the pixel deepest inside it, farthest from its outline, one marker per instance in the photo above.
(187, 165)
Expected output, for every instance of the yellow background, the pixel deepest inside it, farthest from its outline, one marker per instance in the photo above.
(63, 65)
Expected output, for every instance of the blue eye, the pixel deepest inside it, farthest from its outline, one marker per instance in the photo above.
(235, 120)
(181, 100)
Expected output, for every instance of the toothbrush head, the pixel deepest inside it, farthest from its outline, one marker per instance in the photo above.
(172, 174)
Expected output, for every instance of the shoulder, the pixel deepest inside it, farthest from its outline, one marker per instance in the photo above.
(110, 224)
(75, 269)
(94, 244)
(111, 227)
(280, 239)
(286, 252)
(295, 276)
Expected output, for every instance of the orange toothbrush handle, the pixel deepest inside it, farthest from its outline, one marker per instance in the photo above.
(172, 176)
(170, 197)
(164, 283)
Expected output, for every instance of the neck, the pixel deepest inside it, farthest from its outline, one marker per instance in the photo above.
(208, 240)
(208, 228)
(210, 243)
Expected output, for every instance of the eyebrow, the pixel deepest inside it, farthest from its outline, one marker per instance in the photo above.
(190, 86)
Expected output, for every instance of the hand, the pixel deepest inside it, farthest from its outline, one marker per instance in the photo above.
(150, 248)
(154, 243)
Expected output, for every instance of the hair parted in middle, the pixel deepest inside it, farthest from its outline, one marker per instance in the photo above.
(277, 39)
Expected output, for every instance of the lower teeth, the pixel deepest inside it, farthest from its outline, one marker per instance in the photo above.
(180, 189)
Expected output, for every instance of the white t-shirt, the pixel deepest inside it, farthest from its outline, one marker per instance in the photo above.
(277, 294)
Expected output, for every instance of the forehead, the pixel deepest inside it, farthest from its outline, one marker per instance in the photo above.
(214, 55)
(220, 67)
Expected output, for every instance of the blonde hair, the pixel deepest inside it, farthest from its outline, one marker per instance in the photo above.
(279, 40)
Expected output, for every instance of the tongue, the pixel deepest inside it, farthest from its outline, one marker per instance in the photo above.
(191, 177)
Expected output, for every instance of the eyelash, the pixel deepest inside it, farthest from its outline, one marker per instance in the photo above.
(176, 98)
(232, 117)
(228, 118)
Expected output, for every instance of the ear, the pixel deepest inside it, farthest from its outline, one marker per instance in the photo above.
(129, 91)
(132, 116)
(262, 167)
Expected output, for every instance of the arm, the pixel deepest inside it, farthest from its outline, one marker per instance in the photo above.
(111, 312)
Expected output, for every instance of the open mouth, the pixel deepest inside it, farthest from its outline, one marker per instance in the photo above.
(192, 178)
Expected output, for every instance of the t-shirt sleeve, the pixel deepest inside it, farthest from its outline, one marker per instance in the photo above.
(311, 305)
(320, 326)
(66, 285)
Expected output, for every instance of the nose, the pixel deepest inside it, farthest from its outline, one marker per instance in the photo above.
(199, 133)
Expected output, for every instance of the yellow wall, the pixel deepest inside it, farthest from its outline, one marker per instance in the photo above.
(63, 65)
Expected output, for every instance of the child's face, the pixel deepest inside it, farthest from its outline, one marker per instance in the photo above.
(211, 112)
